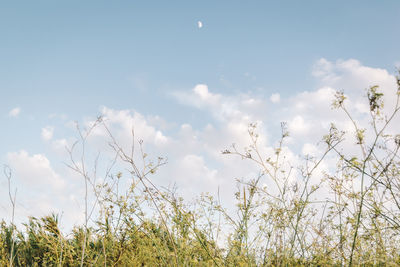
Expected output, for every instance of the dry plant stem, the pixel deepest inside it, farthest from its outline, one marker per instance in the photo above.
(308, 194)
(83, 135)
(273, 174)
(7, 173)
(366, 161)
(141, 175)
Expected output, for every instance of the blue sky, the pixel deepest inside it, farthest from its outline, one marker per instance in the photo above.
(65, 61)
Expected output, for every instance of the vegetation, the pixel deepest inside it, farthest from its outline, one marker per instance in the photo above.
(348, 214)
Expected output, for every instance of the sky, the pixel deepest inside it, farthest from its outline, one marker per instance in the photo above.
(188, 75)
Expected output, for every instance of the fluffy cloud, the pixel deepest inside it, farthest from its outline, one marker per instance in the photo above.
(47, 133)
(308, 114)
(199, 97)
(275, 98)
(193, 175)
(232, 114)
(298, 126)
(41, 190)
(34, 170)
(221, 107)
(195, 160)
(14, 112)
(126, 120)
(353, 78)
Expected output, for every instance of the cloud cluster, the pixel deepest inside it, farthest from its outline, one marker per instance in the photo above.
(123, 122)
(195, 160)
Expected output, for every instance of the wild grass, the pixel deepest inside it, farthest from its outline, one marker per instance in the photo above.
(349, 215)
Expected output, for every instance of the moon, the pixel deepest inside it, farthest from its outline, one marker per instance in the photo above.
(200, 24)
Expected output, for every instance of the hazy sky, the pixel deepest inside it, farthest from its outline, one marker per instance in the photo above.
(190, 75)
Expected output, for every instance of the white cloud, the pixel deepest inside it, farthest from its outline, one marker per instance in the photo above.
(195, 161)
(195, 152)
(275, 98)
(323, 69)
(14, 112)
(193, 173)
(298, 126)
(353, 78)
(60, 146)
(199, 97)
(223, 107)
(122, 123)
(34, 170)
(202, 91)
(308, 113)
(309, 149)
(47, 133)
